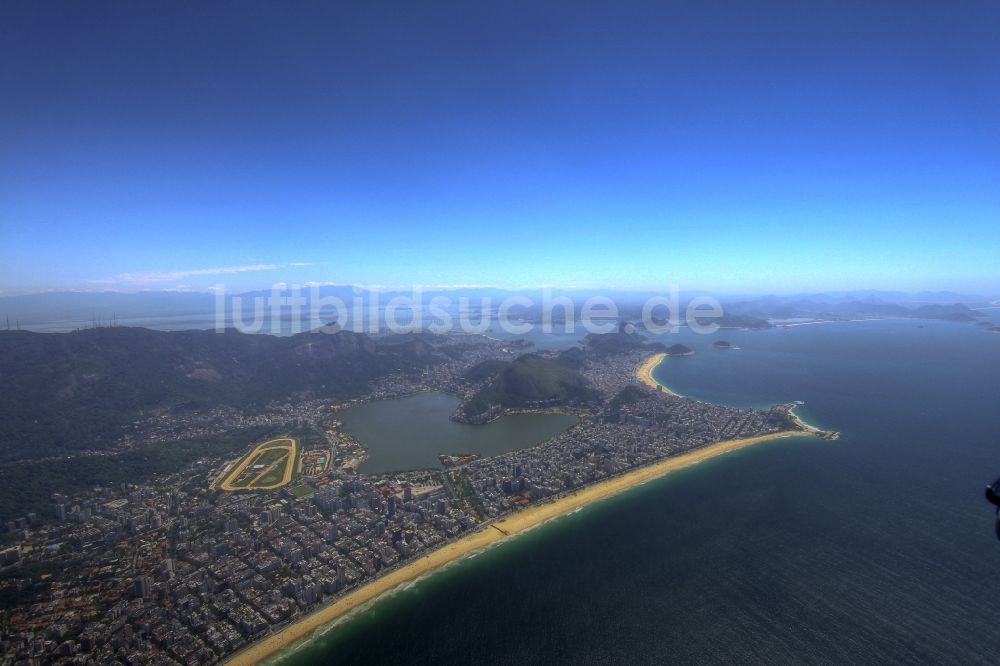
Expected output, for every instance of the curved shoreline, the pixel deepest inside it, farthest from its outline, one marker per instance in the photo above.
(644, 373)
(485, 536)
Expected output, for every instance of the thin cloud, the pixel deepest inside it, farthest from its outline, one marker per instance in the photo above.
(147, 277)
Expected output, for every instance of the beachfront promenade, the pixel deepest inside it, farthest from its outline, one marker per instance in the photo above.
(484, 537)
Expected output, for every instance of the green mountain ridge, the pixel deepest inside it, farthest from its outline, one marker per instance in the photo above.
(66, 392)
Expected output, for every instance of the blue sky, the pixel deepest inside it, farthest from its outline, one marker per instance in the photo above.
(771, 146)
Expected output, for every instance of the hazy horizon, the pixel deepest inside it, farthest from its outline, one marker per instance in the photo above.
(305, 288)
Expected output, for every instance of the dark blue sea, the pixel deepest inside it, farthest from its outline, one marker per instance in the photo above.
(877, 548)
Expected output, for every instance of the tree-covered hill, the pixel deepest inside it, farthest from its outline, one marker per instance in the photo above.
(531, 380)
(65, 392)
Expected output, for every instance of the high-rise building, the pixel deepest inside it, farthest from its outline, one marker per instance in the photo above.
(142, 587)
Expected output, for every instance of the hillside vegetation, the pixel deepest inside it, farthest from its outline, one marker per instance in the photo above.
(531, 380)
(67, 392)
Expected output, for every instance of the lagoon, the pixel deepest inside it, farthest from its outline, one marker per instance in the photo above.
(410, 433)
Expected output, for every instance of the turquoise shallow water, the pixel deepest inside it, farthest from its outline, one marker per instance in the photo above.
(877, 548)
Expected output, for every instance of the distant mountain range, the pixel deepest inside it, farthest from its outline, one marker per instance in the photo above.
(64, 311)
(828, 307)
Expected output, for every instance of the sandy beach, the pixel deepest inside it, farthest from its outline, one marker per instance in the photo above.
(483, 537)
(809, 428)
(645, 374)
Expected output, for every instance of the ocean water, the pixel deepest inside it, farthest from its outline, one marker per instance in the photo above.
(877, 548)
